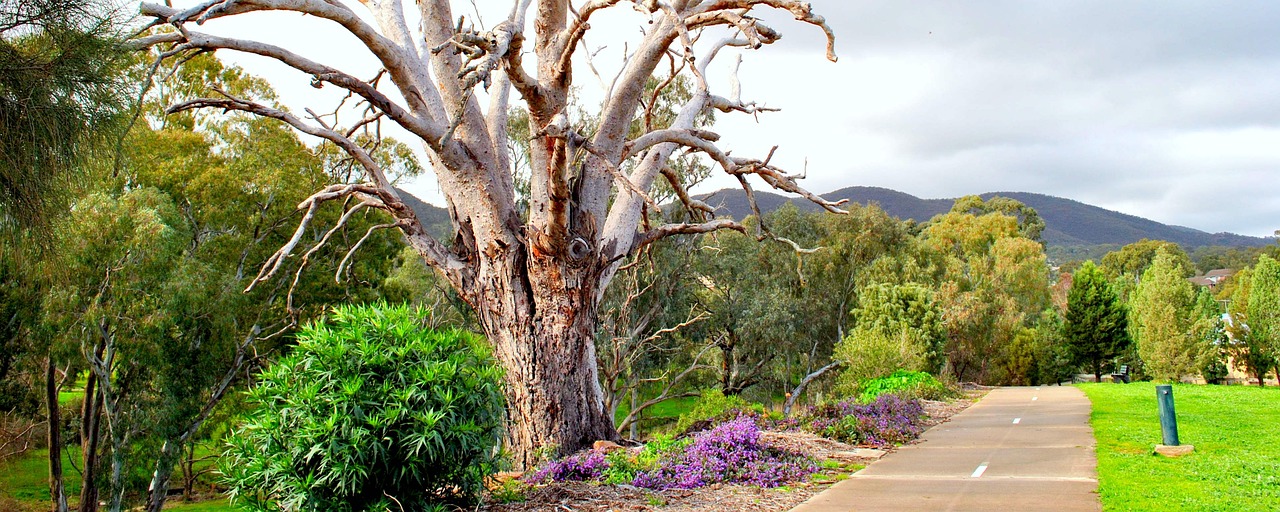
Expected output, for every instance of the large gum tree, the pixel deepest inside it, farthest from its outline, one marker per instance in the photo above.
(534, 274)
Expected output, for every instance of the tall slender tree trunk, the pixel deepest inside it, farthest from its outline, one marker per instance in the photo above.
(119, 442)
(728, 364)
(57, 489)
(158, 491)
(90, 437)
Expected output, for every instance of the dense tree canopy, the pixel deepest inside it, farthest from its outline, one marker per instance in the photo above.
(1164, 323)
(1095, 325)
(60, 92)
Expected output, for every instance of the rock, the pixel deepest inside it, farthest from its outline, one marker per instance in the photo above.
(606, 446)
(1174, 451)
(862, 453)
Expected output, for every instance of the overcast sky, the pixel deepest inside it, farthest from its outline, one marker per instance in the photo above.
(1168, 110)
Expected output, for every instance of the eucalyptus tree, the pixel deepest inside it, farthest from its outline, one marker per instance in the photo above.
(535, 276)
(751, 315)
(1132, 260)
(994, 284)
(146, 283)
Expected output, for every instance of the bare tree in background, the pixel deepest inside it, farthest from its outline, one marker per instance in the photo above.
(535, 277)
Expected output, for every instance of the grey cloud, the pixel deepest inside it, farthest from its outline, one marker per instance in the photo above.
(1168, 110)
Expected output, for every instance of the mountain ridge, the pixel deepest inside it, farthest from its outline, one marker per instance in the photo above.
(1067, 222)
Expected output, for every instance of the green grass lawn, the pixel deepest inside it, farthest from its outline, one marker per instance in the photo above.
(660, 413)
(1235, 431)
(26, 478)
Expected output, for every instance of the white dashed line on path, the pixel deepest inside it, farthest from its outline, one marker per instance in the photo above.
(978, 472)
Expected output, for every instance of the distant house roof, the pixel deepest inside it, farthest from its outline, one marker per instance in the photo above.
(1212, 277)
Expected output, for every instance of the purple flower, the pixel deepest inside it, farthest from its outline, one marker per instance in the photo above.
(588, 465)
(887, 421)
(728, 453)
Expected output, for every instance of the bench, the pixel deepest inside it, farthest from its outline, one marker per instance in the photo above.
(1122, 376)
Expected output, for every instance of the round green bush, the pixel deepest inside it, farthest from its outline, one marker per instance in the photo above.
(907, 384)
(371, 411)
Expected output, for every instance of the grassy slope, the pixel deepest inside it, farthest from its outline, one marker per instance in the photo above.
(1236, 433)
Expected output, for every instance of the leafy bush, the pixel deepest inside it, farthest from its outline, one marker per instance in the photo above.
(370, 412)
(869, 354)
(907, 384)
(714, 407)
(888, 420)
(728, 453)
(624, 465)
(510, 491)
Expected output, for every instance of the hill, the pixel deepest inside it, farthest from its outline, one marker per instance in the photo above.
(1068, 223)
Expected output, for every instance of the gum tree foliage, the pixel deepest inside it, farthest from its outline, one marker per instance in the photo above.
(534, 275)
(993, 285)
(146, 285)
(1095, 325)
(751, 314)
(1030, 225)
(1170, 335)
(1132, 260)
(371, 411)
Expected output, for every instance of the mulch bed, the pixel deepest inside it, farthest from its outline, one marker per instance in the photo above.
(593, 497)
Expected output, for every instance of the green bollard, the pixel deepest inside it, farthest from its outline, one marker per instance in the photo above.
(1168, 419)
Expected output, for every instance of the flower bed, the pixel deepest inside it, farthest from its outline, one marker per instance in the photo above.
(728, 453)
(887, 421)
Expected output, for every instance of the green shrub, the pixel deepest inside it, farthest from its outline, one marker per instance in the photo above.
(511, 491)
(712, 407)
(624, 465)
(370, 411)
(870, 353)
(907, 384)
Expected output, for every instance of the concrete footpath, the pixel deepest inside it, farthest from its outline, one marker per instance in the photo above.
(1017, 449)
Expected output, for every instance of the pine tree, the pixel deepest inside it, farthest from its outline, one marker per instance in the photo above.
(1095, 328)
(60, 88)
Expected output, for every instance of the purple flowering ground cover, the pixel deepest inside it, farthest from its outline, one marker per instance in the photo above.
(887, 421)
(731, 452)
(728, 453)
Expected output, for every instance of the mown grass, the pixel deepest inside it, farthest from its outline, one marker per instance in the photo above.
(1235, 431)
(660, 413)
(26, 478)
